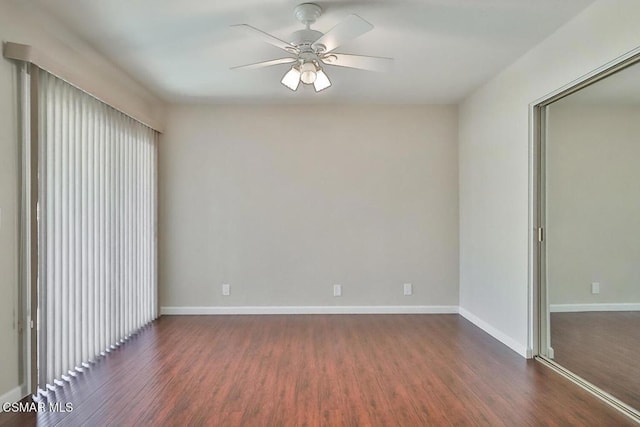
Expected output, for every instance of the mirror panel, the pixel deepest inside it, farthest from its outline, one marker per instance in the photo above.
(592, 221)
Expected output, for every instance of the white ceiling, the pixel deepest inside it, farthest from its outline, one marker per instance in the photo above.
(183, 49)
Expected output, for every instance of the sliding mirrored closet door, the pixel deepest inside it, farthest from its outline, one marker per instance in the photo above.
(590, 196)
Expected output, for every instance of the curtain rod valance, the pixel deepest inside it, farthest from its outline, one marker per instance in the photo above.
(29, 54)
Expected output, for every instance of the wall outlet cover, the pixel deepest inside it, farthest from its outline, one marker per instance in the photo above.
(226, 289)
(408, 289)
(337, 290)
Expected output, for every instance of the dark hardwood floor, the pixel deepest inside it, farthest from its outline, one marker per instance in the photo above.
(601, 347)
(333, 370)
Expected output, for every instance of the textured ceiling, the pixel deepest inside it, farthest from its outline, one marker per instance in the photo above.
(443, 49)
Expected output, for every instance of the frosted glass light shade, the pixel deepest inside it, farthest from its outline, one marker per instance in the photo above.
(291, 79)
(308, 73)
(322, 81)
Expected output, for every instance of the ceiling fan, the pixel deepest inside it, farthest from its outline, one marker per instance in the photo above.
(310, 49)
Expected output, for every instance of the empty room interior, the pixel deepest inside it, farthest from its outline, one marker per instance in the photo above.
(328, 213)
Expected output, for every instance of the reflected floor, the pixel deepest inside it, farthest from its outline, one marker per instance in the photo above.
(601, 347)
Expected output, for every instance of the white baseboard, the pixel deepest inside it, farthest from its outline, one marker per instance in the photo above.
(497, 334)
(574, 308)
(338, 309)
(12, 395)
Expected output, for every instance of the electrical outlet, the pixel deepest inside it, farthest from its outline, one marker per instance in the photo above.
(337, 290)
(226, 289)
(595, 288)
(408, 289)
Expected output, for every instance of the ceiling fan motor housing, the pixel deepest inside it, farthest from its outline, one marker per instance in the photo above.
(307, 13)
(303, 39)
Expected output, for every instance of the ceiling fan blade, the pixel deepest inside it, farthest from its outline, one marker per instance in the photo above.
(264, 64)
(371, 63)
(352, 27)
(266, 37)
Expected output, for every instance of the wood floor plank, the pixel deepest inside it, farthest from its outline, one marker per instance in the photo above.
(320, 370)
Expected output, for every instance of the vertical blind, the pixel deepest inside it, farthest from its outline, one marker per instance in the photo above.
(96, 228)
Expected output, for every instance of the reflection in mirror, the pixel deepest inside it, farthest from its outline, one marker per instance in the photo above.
(592, 198)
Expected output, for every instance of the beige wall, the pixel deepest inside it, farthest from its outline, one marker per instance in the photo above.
(281, 202)
(22, 24)
(593, 203)
(494, 163)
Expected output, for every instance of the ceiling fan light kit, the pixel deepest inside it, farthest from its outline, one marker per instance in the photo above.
(312, 49)
(321, 82)
(308, 72)
(292, 79)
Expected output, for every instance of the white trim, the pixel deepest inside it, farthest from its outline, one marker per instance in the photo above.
(338, 309)
(499, 335)
(573, 308)
(12, 395)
